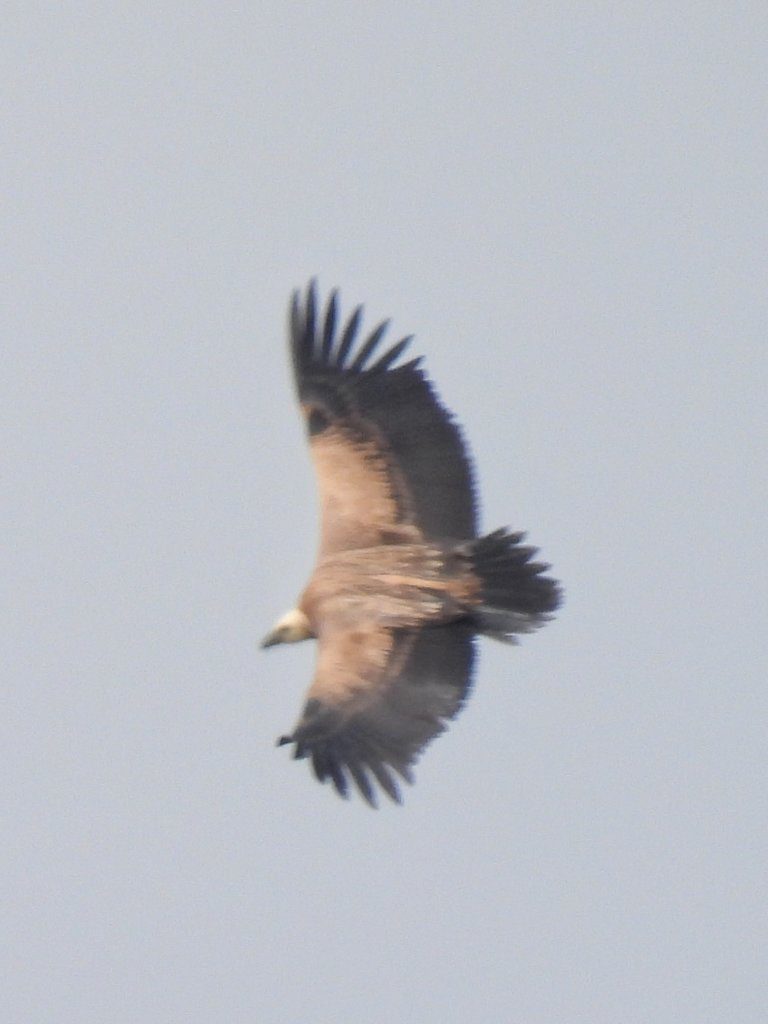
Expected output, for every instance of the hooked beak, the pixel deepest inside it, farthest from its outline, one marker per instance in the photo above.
(269, 641)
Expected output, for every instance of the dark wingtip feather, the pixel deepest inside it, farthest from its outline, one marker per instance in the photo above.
(386, 781)
(338, 778)
(329, 329)
(346, 759)
(392, 354)
(369, 347)
(319, 342)
(348, 336)
(310, 310)
(363, 783)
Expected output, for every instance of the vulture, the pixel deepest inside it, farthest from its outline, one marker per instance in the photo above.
(403, 581)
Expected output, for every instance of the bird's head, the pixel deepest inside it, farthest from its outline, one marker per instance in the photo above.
(290, 629)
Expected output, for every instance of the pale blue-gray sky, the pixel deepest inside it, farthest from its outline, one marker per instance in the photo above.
(567, 204)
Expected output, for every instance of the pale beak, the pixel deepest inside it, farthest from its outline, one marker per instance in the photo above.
(269, 640)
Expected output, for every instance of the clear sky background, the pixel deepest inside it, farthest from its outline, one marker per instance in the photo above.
(567, 203)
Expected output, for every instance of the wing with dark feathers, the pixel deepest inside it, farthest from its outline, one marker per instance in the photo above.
(373, 732)
(387, 454)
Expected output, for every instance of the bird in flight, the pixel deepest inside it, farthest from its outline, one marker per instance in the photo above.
(403, 582)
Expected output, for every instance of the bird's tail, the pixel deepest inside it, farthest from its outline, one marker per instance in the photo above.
(515, 595)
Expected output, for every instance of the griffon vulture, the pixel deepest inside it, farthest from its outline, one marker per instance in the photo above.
(403, 583)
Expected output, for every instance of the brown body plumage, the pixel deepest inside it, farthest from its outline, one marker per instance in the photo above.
(403, 582)
(403, 585)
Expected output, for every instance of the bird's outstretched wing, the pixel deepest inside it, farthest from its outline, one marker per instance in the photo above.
(390, 461)
(378, 697)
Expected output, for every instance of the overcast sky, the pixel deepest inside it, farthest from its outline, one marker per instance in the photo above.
(567, 204)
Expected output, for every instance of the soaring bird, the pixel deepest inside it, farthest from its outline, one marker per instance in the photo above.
(403, 583)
